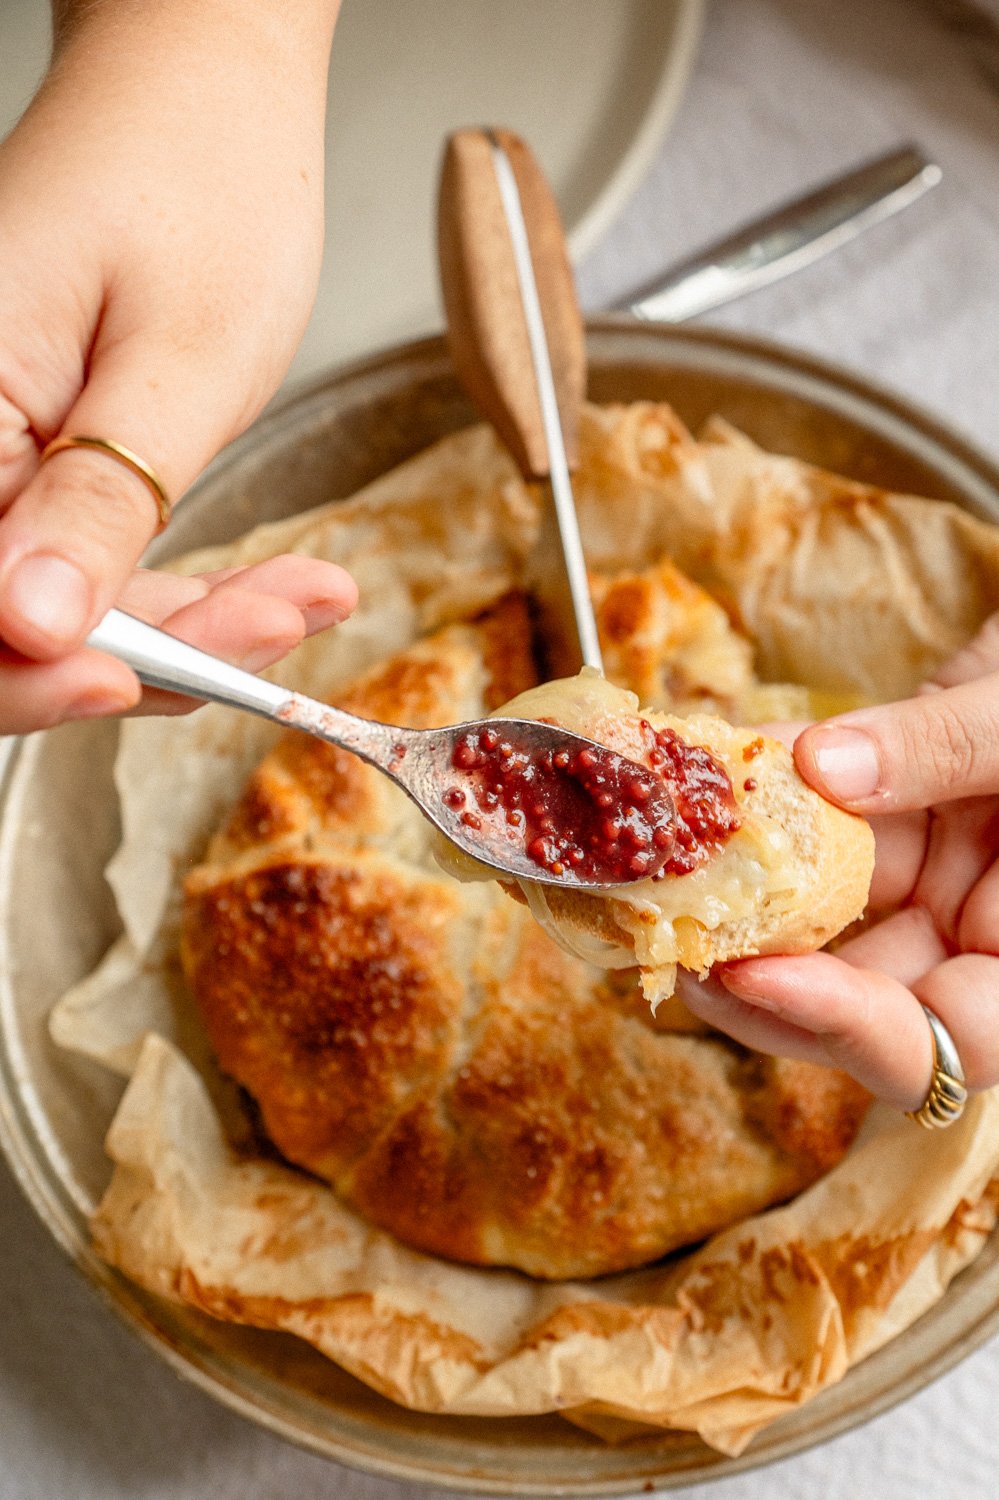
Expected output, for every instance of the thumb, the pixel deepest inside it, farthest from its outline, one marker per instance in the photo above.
(903, 756)
(72, 537)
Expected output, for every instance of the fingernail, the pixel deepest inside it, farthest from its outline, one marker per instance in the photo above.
(741, 985)
(693, 990)
(100, 704)
(50, 596)
(322, 613)
(264, 653)
(847, 762)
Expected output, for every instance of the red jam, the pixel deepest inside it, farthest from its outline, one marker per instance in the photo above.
(587, 811)
(702, 794)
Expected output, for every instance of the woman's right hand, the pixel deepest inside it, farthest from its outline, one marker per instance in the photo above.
(161, 225)
(250, 616)
(926, 773)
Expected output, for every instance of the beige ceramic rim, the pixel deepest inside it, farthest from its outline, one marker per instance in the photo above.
(324, 440)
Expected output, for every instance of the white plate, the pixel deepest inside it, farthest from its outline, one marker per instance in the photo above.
(591, 85)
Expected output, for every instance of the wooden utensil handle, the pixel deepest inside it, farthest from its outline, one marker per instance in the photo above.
(487, 331)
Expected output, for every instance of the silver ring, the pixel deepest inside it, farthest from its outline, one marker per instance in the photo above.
(948, 1093)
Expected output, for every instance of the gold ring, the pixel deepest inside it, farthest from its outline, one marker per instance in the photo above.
(122, 455)
(948, 1094)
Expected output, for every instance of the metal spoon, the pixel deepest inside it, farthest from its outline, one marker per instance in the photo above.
(420, 761)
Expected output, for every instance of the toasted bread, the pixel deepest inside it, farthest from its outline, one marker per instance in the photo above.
(795, 872)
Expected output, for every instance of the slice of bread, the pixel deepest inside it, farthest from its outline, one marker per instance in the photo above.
(795, 872)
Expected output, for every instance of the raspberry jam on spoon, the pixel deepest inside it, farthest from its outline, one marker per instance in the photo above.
(581, 812)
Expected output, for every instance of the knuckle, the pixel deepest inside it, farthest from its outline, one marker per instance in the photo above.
(942, 739)
(847, 1024)
(111, 507)
(41, 367)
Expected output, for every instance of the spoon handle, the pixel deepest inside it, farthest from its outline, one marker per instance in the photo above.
(791, 237)
(162, 661)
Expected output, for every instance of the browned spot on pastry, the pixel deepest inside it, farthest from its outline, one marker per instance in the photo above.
(812, 1113)
(326, 993)
(333, 781)
(507, 650)
(264, 813)
(416, 1180)
(624, 609)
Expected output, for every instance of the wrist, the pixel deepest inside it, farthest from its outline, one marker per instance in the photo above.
(281, 34)
(213, 82)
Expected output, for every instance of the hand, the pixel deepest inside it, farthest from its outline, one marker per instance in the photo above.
(160, 242)
(250, 616)
(926, 773)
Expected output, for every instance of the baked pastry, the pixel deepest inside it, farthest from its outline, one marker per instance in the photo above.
(425, 1047)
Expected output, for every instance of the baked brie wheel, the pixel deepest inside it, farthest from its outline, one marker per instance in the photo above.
(427, 1048)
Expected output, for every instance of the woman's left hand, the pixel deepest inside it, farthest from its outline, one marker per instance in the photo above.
(926, 774)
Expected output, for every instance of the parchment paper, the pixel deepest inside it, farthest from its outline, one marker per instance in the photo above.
(720, 1341)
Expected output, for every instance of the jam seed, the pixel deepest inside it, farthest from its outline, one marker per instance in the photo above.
(464, 756)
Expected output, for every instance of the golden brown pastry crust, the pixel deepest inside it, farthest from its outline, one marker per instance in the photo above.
(425, 1047)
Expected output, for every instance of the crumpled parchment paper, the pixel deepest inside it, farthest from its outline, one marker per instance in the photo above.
(823, 574)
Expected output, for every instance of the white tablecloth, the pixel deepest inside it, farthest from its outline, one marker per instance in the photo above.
(785, 93)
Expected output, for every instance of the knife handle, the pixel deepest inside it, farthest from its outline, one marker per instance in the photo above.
(487, 330)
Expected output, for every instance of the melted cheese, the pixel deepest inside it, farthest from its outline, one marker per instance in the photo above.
(660, 919)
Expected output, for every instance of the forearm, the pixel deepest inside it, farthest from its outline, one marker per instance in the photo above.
(284, 36)
(215, 96)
